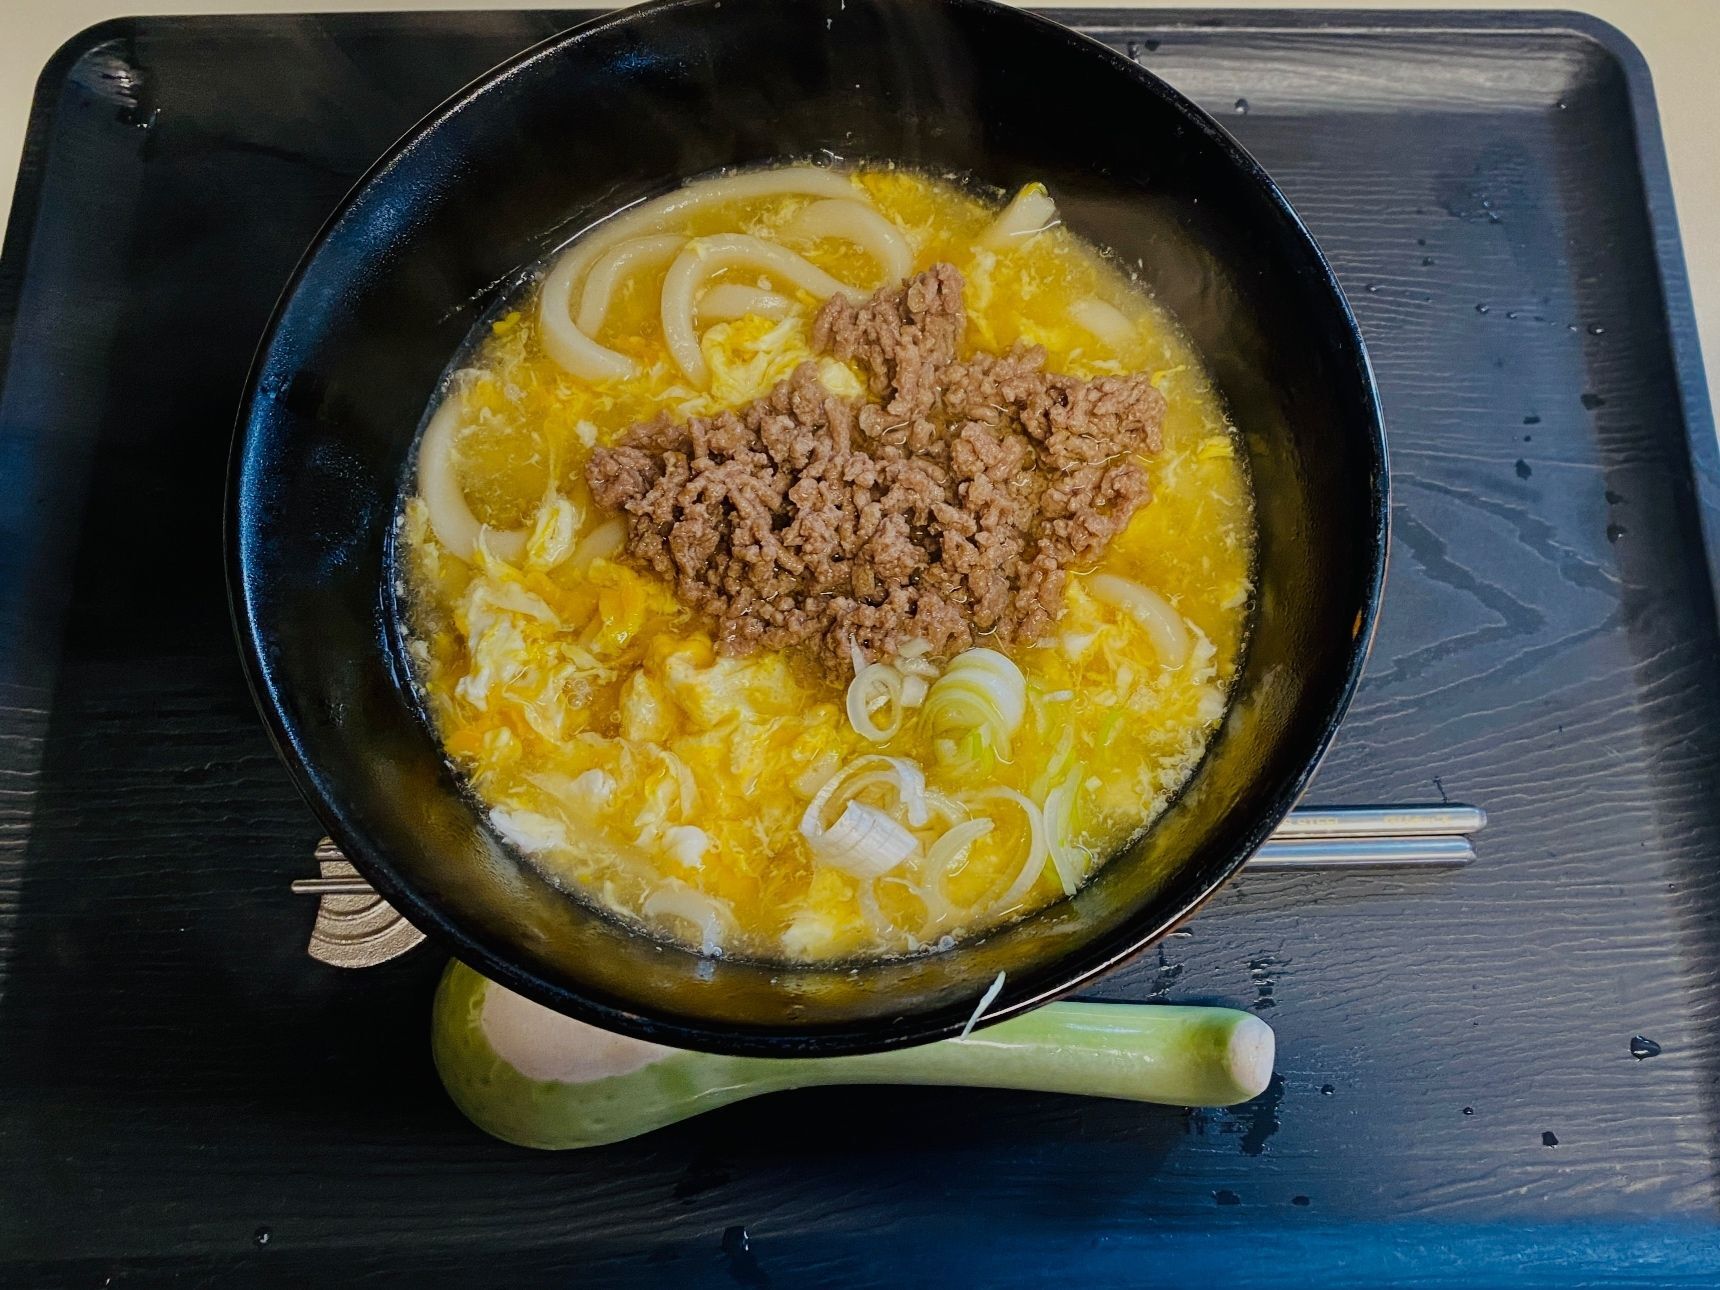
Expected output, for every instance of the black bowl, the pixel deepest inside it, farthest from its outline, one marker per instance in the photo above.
(622, 109)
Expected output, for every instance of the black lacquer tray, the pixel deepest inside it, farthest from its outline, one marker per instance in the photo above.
(185, 1098)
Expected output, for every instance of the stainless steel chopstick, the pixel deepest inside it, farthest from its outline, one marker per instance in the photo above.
(1329, 837)
(1363, 853)
(1445, 820)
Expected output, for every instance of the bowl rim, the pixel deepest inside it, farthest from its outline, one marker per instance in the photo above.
(1082, 964)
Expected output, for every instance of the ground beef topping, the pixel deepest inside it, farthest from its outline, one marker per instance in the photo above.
(945, 505)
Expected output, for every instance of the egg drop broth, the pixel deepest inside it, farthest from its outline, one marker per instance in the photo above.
(666, 782)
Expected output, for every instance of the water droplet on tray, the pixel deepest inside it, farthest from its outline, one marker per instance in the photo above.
(743, 1263)
(1643, 1048)
(1241, 107)
(261, 1236)
(1549, 1139)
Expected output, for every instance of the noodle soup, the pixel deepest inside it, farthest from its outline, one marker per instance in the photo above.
(822, 564)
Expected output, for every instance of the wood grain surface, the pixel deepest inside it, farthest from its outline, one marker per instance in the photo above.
(185, 1098)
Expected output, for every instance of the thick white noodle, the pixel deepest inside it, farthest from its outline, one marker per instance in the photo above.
(1107, 322)
(577, 352)
(730, 300)
(601, 543)
(705, 256)
(712, 917)
(561, 337)
(858, 223)
(1031, 212)
(451, 518)
(613, 266)
(1156, 615)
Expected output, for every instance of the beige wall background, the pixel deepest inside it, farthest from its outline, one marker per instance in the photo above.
(1679, 38)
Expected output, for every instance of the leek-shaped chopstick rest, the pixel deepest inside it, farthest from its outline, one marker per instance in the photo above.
(534, 1077)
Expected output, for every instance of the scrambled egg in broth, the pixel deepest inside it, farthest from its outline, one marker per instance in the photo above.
(670, 784)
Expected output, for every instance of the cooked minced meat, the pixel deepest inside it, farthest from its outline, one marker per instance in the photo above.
(944, 506)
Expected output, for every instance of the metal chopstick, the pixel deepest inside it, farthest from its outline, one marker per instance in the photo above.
(1380, 822)
(1332, 837)
(1363, 853)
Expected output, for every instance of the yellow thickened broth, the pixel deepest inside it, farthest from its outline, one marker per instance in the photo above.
(863, 793)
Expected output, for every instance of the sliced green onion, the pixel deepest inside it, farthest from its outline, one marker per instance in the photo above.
(864, 842)
(982, 691)
(943, 854)
(1059, 762)
(973, 753)
(945, 807)
(1158, 618)
(875, 689)
(908, 779)
(1037, 849)
(866, 896)
(1069, 860)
